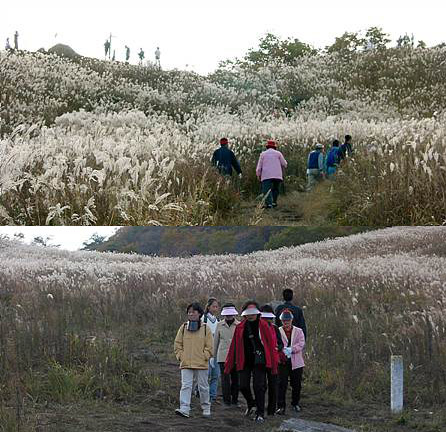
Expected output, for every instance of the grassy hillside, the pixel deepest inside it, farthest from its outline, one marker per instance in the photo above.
(87, 327)
(93, 142)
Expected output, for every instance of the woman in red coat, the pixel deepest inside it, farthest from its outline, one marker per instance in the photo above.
(251, 353)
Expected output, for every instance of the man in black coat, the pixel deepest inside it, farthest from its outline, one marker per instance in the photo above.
(224, 159)
(298, 314)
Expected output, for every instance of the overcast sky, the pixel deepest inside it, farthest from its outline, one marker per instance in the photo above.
(69, 237)
(200, 33)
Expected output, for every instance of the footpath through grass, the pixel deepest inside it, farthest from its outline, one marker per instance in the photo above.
(155, 409)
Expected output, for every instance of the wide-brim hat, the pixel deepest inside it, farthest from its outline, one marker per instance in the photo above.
(251, 311)
(229, 311)
(268, 315)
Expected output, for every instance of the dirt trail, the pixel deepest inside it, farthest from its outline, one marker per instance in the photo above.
(155, 412)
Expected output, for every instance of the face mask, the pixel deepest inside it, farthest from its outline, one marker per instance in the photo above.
(193, 326)
(229, 322)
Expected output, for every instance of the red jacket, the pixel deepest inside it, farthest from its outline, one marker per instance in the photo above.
(236, 353)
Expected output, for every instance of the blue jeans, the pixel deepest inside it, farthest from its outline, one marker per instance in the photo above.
(214, 374)
(331, 171)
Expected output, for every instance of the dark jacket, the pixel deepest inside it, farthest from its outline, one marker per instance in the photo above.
(346, 150)
(298, 320)
(224, 159)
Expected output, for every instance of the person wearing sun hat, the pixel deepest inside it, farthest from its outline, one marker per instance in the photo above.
(272, 374)
(270, 172)
(291, 362)
(222, 340)
(251, 354)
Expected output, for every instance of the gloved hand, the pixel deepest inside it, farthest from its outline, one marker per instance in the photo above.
(287, 351)
(212, 362)
(240, 176)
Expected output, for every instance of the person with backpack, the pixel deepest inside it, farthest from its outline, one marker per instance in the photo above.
(291, 364)
(271, 374)
(315, 167)
(210, 318)
(298, 314)
(222, 340)
(251, 353)
(333, 159)
(270, 172)
(225, 160)
(346, 149)
(193, 348)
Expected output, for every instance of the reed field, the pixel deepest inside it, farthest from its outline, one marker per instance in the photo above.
(79, 326)
(89, 142)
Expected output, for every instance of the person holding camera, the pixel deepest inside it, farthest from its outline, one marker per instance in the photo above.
(251, 353)
(193, 348)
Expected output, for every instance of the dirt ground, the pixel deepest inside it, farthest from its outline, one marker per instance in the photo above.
(156, 411)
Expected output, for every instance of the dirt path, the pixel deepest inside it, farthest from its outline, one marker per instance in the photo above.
(155, 412)
(287, 213)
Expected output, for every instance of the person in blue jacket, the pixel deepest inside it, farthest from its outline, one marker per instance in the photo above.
(315, 167)
(333, 159)
(224, 159)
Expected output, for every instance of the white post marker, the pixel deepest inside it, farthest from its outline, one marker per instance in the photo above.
(396, 379)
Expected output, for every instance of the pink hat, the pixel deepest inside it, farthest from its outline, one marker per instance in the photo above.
(268, 315)
(229, 311)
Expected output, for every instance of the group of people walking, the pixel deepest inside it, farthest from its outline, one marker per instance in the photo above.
(8, 46)
(320, 166)
(271, 165)
(141, 53)
(263, 347)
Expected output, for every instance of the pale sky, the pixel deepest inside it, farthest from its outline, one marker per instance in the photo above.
(69, 237)
(200, 33)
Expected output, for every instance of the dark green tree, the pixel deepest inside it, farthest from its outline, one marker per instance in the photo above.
(376, 38)
(347, 44)
(272, 48)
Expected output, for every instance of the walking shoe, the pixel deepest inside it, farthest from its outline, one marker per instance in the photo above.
(181, 413)
(249, 411)
(297, 408)
(259, 419)
(280, 411)
(206, 413)
(236, 404)
(274, 205)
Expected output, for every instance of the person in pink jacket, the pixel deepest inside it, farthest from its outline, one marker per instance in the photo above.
(291, 364)
(270, 172)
